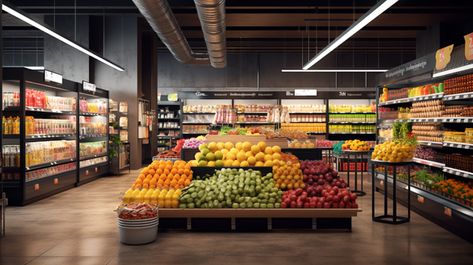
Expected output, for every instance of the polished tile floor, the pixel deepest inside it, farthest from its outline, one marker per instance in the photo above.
(79, 227)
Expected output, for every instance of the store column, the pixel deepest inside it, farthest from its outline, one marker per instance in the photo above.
(119, 44)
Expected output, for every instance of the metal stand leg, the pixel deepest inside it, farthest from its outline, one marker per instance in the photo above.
(372, 192)
(386, 190)
(394, 194)
(348, 169)
(387, 218)
(408, 193)
(356, 172)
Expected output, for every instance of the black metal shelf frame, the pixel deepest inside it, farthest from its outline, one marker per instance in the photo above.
(30, 191)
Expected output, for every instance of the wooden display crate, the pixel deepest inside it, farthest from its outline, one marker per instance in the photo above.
(281, 142)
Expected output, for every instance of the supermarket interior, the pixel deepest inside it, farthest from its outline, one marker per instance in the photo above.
(236, 132)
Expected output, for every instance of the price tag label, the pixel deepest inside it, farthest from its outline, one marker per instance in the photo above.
(456, 97)
(87, 172)
(447, 211)
(420, 199)
(381, 182)
(96, 169)
(466, 147)
(56, 181)
(36, 187)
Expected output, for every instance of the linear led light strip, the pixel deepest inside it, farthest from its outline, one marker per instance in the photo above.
(334, 71)
(53, 34)
(454, 70)
(373, 13)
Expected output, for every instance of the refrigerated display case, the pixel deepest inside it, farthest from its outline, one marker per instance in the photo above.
(40, 137)
(92, 149)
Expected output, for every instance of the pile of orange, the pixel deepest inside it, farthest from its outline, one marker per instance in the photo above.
(164, 175)
(287, 173)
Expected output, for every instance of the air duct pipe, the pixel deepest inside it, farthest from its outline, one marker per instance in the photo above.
(160, 17)
(212, 19)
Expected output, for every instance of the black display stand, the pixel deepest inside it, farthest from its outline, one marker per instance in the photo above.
(169, 111)
(355, 157)
(390, 218)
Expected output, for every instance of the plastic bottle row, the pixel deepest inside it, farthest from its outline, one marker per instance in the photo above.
(51, 151)
(34, 126)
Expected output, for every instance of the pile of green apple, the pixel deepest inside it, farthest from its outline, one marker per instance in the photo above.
(232, 188)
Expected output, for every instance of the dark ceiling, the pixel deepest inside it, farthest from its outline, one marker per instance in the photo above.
(291, 25)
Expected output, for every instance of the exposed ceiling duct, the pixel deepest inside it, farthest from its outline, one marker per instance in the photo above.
(212, 19)
(160, 17)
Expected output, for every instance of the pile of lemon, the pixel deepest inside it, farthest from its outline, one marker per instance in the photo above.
(394, 151)
(241, 154)
(162, 197)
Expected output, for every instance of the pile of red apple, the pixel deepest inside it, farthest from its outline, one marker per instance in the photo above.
(323, 189)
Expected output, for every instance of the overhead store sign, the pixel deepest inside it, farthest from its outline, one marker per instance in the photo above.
(305, 92)
(277, 95)
(405, 71)
(86, 86)
(443, 57)
(459, 60)
(52, 77)
(469, 47)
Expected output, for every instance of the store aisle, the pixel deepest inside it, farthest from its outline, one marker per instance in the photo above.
(79, 227)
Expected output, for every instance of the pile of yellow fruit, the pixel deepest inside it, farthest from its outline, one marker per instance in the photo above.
(394, 151)
(287, 173)
(300, 144)
(356, 145)
(164, 198)
(242, 154)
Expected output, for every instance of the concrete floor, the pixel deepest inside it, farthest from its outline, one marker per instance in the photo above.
(79, 227)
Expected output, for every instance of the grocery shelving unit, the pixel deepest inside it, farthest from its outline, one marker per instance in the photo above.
(279, 99)
(93, 145)
(24, 178)
(453, 213)
(197, 121)
(118, 137)
(169, 113)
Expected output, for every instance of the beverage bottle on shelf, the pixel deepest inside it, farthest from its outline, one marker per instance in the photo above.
(16, 125)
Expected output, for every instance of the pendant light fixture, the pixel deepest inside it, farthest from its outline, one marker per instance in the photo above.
(364, 20)
(23, 17)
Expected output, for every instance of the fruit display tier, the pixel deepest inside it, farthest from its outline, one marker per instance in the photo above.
(442, 211)
(256, 219)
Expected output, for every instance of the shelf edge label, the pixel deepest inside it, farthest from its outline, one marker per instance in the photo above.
(86, 86)
(52, 77)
